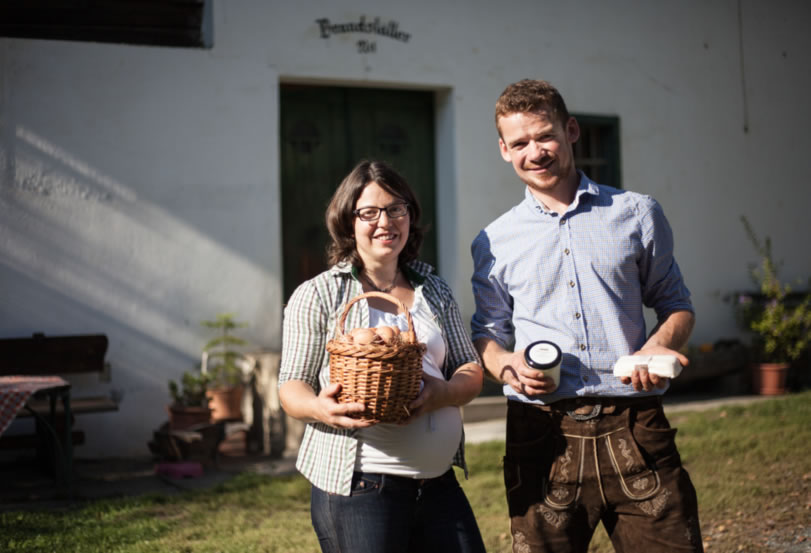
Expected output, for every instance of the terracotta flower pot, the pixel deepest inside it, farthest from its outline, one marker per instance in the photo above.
(769, 379)
(226, 403)
(182, 417)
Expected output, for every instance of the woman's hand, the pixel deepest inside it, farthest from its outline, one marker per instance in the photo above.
(335, 414)
(464, 385)
(301, 402)
(433, 396)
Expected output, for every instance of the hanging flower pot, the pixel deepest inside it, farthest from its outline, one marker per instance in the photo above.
(769, 379)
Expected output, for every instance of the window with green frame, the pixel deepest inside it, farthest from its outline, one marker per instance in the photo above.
(597, 152)
(178, 23)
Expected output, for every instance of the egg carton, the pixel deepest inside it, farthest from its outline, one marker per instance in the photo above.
(661, 365)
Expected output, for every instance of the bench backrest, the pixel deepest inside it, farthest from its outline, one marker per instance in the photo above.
(43, 355)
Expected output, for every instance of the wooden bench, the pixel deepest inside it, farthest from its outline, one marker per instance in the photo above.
(63, 356)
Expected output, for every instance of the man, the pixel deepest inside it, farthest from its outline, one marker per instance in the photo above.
(574, 263)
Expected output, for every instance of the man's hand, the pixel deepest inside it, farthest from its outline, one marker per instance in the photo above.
(509, 367)
(641, 379)
(524, 380)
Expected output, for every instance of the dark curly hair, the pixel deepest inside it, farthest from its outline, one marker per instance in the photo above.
(341, 220)
(530, 96)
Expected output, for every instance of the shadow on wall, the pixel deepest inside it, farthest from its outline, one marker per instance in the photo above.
(77, 230)
(81, 253)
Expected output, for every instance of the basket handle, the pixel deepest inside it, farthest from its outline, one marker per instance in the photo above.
(410, 335)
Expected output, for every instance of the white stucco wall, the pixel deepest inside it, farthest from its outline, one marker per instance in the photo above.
(140, 185)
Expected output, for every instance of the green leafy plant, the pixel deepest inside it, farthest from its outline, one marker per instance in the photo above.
(779, 317)
(191, 392)
(224, 361)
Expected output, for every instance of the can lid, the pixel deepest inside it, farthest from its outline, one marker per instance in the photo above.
(542, 355)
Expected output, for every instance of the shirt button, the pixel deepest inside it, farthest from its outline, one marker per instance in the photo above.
(571, 283)
(562, 221)
(566, 251)
(582, 347)
(577, 315)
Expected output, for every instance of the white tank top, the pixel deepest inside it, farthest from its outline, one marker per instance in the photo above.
(425, 447)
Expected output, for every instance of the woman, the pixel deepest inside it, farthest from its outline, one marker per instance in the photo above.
(385, 487)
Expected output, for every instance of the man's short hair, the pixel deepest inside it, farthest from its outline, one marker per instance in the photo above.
(531, 96)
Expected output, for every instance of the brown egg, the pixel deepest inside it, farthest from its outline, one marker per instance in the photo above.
(363, 336)
(386, 334)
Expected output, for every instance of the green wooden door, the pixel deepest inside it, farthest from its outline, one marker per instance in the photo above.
(325, 131)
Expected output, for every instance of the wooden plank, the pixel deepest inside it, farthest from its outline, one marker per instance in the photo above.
(49, 355)
(32, 441)
(78, 406)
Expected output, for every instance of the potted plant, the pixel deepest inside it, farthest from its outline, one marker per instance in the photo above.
(779, 318)
(189, 405)
(225, 365)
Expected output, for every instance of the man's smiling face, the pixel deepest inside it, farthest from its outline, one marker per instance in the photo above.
(539, 147)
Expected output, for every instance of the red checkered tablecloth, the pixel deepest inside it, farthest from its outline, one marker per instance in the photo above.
(15, 391)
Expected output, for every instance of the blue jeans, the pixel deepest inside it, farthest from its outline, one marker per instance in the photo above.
(394, 514)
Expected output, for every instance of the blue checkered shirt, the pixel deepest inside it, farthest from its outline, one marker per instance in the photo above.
(580, 280)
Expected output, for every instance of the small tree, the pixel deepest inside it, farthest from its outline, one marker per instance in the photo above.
(782, 328)
(191, 392)
(225, 361)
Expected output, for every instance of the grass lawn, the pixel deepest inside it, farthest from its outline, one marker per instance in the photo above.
(751, 467)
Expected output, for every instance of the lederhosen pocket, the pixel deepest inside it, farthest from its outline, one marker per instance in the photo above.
(638, 449)
(528, 450)
(562, 485)
(637, 479)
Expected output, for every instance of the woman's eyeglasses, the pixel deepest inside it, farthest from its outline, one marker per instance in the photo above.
(369, 214)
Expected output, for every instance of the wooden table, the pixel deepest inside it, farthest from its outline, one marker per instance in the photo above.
(16, 391)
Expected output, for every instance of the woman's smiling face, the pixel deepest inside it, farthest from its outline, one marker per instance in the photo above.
(380, 242)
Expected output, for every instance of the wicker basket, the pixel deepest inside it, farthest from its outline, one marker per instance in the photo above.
(385, 378)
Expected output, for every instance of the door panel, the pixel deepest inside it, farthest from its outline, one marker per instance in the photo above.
(325, 131)
(398, 128)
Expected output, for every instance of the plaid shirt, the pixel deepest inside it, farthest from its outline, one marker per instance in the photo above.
(579, 280)
(327, 455)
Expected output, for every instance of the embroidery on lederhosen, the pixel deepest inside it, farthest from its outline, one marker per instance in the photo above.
(555, 518)
(626, 453)
(559, 492)
(562, 487)
(636, 479)
(654, 507)
(693, 532)
(520, 544)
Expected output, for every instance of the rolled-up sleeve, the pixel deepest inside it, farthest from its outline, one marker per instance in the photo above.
(461, 350)
(494, 305)
(304, 337)
(663, 288)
